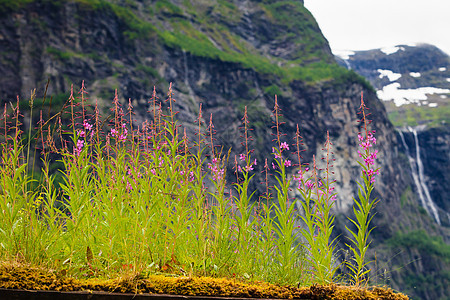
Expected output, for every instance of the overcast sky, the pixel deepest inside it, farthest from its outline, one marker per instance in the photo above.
(369, 24)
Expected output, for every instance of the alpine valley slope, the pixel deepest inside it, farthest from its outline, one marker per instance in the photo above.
(228, 55)
(414, 82)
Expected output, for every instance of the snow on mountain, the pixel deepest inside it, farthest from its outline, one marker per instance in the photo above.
(404, 74)
(389, 74)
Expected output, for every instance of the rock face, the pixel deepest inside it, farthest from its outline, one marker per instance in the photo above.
(418, 80)
(225, 55)
(431, 147)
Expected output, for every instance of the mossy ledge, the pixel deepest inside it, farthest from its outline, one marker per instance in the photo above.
(31, 278)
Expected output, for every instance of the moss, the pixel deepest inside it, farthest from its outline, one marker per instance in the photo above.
(149, 71)
(272, 90)
(16, 276)
(59, 54)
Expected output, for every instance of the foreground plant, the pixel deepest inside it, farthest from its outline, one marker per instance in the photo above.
(142, 199)
(363, 205)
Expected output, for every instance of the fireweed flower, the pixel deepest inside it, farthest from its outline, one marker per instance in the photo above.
(242, 156)
(215, 170)
(191, 176)
(284, 145)
(275, 153)
(299, 179)
(82, 133)
(113, 132)
(120, 137)
(86, 125)
(368, 156)
(287, 163)
(79, 147)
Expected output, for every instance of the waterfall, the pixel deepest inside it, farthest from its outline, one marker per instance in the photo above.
(418, 176)
(430, 202)
(347, 64)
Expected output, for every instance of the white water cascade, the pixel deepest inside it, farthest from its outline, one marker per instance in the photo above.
(418, 176)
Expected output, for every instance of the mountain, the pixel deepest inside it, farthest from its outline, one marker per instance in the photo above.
(227, 55)
(414, 83)
(412, 80)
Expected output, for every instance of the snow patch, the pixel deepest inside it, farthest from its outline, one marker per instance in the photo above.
(442, 69)
(443, 96)
(344, 54)
(391, 50)
(432, 105)
(448, 79)
(406, 96)
(389, 74)
(414, 74)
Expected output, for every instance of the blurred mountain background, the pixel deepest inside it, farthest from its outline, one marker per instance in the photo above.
(229, 54)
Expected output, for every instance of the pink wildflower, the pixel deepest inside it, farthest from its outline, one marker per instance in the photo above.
(86, 125)
(248, 168)
(79, 148)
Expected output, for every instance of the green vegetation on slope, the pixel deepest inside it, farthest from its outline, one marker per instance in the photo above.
(421, 241)
(208, 37)
(426, 245)
(413, 115)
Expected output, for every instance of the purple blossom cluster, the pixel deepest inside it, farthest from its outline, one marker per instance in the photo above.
(191, 176)
(120, 137)
(82, 134)
(249, 166)
(277, 154)
(216, 170)
(369, 157)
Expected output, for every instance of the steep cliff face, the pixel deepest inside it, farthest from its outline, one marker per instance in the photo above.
(414, 82)
(225, 55)
(428, 150)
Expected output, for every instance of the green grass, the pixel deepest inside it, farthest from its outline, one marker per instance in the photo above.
(405, 195)
(426, 245)
(61, 55)
(9, 6)
(423, 242)
(165, 6)
(413, 115)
